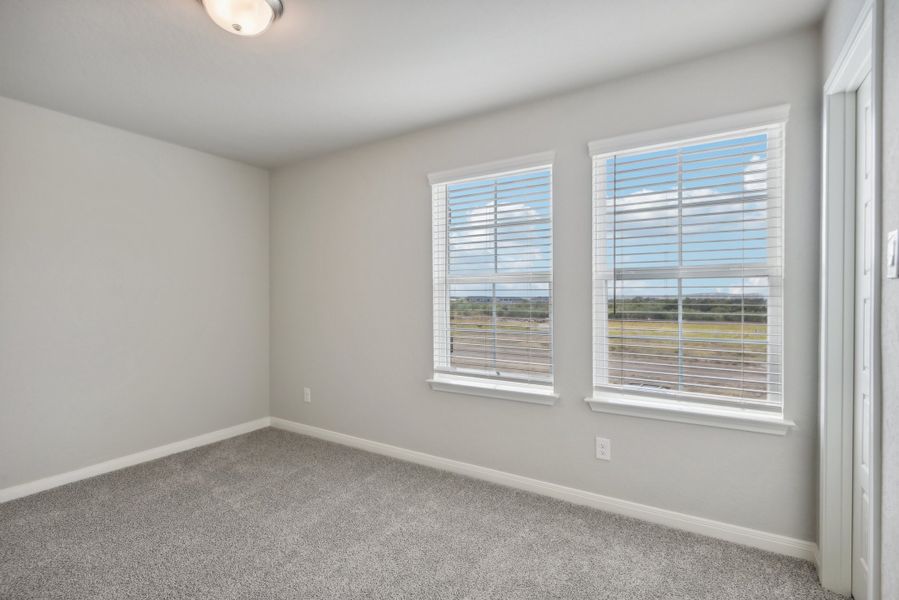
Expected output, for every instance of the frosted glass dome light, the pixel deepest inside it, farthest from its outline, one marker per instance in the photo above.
(244, 17)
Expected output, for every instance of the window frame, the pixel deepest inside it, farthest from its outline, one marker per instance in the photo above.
(702, 409)
(476, 384)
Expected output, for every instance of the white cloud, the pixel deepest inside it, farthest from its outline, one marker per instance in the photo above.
(755, 175)
(484, 214)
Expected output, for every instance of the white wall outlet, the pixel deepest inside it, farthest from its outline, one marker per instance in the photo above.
(307, 395)
(603, 448)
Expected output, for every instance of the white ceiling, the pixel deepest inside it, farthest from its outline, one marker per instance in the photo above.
(332, 73)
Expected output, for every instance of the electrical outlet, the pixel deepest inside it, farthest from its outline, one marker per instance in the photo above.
(603, 448)
(307, 395)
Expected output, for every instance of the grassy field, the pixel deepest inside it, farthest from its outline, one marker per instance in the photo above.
(718, 357)
(721, 358)
(520, 346)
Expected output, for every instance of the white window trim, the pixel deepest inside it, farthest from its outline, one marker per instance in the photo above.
(685, 132)
(520, 163)
(619, 402)
(758, 421)
(486, 388)
(533, 393)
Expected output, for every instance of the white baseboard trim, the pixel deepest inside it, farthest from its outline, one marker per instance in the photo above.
(33, 487)
(732, 533)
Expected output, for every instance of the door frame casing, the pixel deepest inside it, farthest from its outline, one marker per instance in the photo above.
(858, 58)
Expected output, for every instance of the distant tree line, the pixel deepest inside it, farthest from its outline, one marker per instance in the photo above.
(516, 308)
(707, 308)
(749, 309)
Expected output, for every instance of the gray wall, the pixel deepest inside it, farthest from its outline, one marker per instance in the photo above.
(133, 293)
(890, 307)
(351, 298)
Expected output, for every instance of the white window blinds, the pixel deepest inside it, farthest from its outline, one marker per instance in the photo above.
(492, 253)
(687, 270)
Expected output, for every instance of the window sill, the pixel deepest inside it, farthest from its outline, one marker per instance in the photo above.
(489, 389)
(685, 412)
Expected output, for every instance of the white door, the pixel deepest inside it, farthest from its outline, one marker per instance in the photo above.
(863, 500)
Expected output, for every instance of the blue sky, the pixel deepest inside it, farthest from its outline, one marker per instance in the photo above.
(523, 244)
(723, 218)
(723, 206)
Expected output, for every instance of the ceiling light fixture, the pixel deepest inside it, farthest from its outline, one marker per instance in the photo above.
(244, 17)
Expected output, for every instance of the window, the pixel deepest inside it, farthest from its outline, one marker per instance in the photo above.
(492, 254)
(688, 271)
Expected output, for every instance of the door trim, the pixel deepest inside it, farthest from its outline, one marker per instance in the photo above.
(858, 58)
